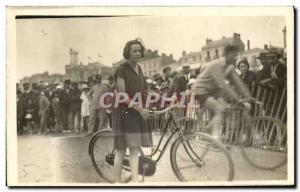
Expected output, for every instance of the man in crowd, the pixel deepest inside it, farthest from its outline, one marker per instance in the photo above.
(44, 107)
(167, 75)
(274, 73)
(29, 105)
(96, 111)
(183, 79)
(75, 106)
(65, 103)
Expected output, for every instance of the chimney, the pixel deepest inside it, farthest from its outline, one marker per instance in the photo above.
(155, 52)
(183, 53)
(72, 58)
(284, 36)
(76, 58)
(171, 56)
(265, 46)
(163, 55)
(223, 37)
(248, 44)
(236, 36)
(208, 41)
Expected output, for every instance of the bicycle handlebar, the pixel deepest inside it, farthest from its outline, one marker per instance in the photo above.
(154, 112)
(164, 110)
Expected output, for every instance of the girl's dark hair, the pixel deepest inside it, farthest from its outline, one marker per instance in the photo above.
(127, 47)
(245, 61)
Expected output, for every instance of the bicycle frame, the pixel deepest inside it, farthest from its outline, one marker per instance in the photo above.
(177, 130)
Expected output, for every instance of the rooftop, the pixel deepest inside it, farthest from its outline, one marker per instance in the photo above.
(235, 39)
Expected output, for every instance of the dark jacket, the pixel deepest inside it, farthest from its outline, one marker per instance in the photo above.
(249, 78)
(65, 100)
(181, 83)
(75, 101)
(280, 71)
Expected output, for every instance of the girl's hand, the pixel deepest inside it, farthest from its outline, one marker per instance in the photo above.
(144, 113)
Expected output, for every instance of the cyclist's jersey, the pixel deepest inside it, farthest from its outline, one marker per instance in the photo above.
(214, 79)
(205, 82)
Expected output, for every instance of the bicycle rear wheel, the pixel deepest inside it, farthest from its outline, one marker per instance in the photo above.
(267, 148)
(101, 149)
(199, 157)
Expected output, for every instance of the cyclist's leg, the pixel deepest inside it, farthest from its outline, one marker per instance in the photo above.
(246, 134)
(134, 162)
(118, 163)
(217, 106)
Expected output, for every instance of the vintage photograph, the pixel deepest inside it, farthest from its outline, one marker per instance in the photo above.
(150, 96)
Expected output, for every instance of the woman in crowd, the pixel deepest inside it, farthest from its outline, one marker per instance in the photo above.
(247, 76)
(85, 105)
(128, 127)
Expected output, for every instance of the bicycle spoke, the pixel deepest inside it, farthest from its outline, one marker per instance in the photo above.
(199, 159)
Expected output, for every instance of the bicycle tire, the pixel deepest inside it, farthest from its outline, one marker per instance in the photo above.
(264, 151)
(201, 161)
(102, 167)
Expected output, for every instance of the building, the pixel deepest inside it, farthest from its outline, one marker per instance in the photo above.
(251, 55)
(43, 78)
(79, 72)
(155, 64)
(192, 59)
(215, 49)
(152, 62)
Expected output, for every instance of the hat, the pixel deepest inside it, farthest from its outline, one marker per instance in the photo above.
(186, 67)
(149, 81)
(98, 77)
(157, 76)
(105, 82)
(74, 84)
(25, 84)
(110, 78)
(84, 86)
(164, 85)
(262, 55)
(67, 81)
(165, 69)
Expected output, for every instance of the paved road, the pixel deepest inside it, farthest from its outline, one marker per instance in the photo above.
(64, 159)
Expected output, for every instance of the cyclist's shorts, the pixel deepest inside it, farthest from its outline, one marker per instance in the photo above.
(202, 98)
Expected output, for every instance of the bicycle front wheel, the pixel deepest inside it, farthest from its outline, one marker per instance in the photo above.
(101, 149)
(199, 157)
(267, 148)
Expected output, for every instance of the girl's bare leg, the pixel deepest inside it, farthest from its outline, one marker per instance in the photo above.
(134, 163)
(118, 163)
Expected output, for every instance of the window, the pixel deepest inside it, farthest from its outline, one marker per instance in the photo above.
(207, 56)
(217, 53)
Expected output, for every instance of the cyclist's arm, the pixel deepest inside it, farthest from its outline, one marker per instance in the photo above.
(217, 74)
(239, 84)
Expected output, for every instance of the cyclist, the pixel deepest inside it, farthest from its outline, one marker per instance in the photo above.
(216, 80)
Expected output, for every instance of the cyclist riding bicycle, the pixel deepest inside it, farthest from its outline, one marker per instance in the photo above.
(217, 80)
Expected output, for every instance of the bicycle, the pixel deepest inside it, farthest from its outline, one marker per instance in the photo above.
(191, 155)
(264, 147)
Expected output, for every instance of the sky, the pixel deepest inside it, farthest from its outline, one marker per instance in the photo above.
(44, 44)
